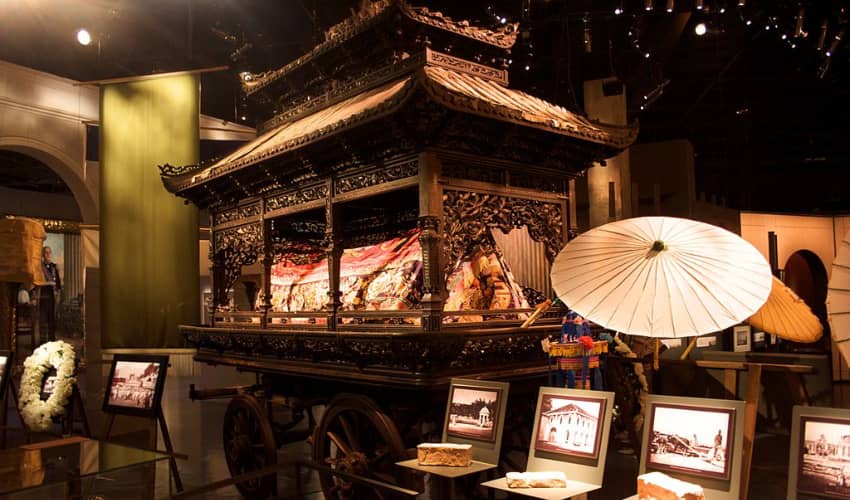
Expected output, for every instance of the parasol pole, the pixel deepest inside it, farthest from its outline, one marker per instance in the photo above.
(655, 365)
(688, 349)
(539, 310)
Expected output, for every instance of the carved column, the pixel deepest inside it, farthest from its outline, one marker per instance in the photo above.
(430, 240)
(268, 258)
(333, 245)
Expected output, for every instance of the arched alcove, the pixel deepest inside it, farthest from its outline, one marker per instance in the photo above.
(807, 276)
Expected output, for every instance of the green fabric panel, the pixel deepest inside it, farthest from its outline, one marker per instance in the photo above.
(148, 237)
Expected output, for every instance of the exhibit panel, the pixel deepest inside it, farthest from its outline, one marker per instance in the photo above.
(696, 440)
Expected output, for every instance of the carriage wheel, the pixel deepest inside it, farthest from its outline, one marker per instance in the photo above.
(356, 437)
(249, 445)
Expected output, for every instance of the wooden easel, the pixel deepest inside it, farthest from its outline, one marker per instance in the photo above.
(75, 406)
(166, 438)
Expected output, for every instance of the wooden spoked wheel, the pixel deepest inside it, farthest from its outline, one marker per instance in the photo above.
(249, 445)
(356, 437)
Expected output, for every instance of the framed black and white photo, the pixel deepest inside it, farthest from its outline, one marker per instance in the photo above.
(569, 425)
(693, 440)
(48, 384)
(5, 369)
(135, 384)
(473, 412)
(741, 338)
(823, 456)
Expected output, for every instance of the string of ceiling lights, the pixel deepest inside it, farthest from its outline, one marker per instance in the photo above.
(815, 27)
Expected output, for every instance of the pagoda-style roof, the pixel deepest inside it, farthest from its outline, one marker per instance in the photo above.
(372, 14)
(460, 90)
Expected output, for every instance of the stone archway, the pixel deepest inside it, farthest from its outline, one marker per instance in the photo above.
(70, 171)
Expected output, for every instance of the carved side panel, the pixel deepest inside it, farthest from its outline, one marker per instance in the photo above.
(297, 197)
(380, 176)
(237, 213)
(232, 249)
(468, 216)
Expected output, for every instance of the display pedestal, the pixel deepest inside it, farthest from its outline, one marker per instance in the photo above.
(447, 474)
(574, 489)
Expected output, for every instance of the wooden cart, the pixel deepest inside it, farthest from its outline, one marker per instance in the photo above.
(371, 133)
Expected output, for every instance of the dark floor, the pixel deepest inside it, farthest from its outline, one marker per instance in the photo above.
(196, 430)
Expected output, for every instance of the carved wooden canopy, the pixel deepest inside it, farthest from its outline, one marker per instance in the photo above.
(434, 101)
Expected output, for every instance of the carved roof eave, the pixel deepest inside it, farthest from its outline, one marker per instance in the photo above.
(504, 38)
(551, 118)
(205, 173)
(527, 111)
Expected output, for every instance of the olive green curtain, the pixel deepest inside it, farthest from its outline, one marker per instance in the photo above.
(148, 237)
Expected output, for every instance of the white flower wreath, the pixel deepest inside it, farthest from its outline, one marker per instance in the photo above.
(38, 414)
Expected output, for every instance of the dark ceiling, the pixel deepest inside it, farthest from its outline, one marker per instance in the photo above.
(768, 124)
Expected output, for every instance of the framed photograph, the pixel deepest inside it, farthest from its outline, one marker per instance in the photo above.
(5, 370)
(48, 384)
(569, 425)
(741, 338)
(135, 384)
(694, 440)
(473, 412)
(824, 457)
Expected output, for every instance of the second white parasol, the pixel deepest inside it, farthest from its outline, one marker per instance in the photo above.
(661, 277)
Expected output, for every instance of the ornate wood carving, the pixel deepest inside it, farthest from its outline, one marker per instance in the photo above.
(442, 353)
(465, 66)
(468, 216)
(232, 249)
(296, 197)
(375, 177)
(236, 213)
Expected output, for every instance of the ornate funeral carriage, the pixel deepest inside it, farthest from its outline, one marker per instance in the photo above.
(387, 154)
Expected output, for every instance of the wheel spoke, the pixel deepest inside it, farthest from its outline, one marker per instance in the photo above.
(339, 443)
(350, 436)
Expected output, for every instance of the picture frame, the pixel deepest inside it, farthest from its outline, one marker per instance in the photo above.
(466, 421)
(473, 412)
(741, 339)
(48, 384)
(680, 438)
(819, 466)
(6, 362)
(569, 425)
(135, 385)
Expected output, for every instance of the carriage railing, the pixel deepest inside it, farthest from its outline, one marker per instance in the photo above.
(405, 320)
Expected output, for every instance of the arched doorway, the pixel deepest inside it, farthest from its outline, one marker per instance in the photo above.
(807, 276)
(29, 187)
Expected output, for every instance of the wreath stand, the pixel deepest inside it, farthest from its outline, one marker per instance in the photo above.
(74, 408)
(159, 418)
(10, 389)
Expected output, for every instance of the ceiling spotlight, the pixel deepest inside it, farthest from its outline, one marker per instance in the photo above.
(618, 10)
(749, 22)
(798, 27)
(742, 3)
(671, 4)
(246, 76)
(647, 5)
(83, 36)
(646, 56)
(700, 29)
(699, 4)
(588, 37)
(822, 36)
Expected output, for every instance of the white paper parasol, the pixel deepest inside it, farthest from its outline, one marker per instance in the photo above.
(661, 277)
(838, 298)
